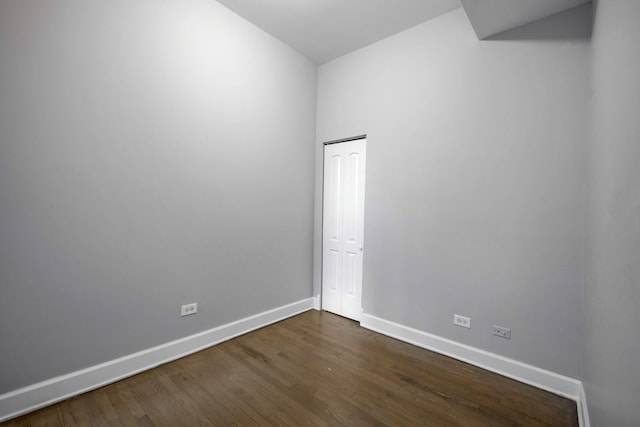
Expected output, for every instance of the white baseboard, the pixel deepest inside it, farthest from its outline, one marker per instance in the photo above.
(316, 302)
(537, 377)
(583, 411)
(30, 398)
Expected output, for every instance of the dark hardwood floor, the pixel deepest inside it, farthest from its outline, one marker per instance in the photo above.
(314, 369)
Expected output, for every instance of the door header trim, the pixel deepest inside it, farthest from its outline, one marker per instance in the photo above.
(337, 141)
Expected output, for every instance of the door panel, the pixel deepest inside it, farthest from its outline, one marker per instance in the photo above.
(332, 230)
(335, 196)
(351, 199)
(334, 264)
(343, 228)
(350, 273)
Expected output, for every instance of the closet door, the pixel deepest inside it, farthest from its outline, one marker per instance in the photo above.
(343, 228)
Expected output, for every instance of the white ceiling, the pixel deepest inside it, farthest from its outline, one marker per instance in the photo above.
(490, 17)
(323, 30)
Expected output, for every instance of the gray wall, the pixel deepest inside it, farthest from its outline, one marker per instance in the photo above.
(152, 154)
(158, 153)
(476, 172)
(612, 351)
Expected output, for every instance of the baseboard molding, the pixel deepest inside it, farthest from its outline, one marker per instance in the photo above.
(36, 396)
(316, 303)
(528, 374)
(583, 410)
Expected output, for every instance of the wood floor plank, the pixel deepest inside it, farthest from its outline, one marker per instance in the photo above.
(314, 369)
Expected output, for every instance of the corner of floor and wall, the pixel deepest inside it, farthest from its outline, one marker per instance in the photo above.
(179, 160)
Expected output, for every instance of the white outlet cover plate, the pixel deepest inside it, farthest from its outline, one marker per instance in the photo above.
(463, 321)
(501, 332)
(189, 309)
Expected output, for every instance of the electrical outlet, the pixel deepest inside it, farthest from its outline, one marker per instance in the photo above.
(189, 309)
(458, 320)
(501, 332)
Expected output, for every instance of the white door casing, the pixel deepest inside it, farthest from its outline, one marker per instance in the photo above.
(343, 227)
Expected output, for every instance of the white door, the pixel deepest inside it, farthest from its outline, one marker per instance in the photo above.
(343, 227)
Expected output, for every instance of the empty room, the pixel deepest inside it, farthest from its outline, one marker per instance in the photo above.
(320, 212)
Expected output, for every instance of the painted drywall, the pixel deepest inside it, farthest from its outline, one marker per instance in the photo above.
(152, 154)
(612, 293)
(491, 17)
(476, 170)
